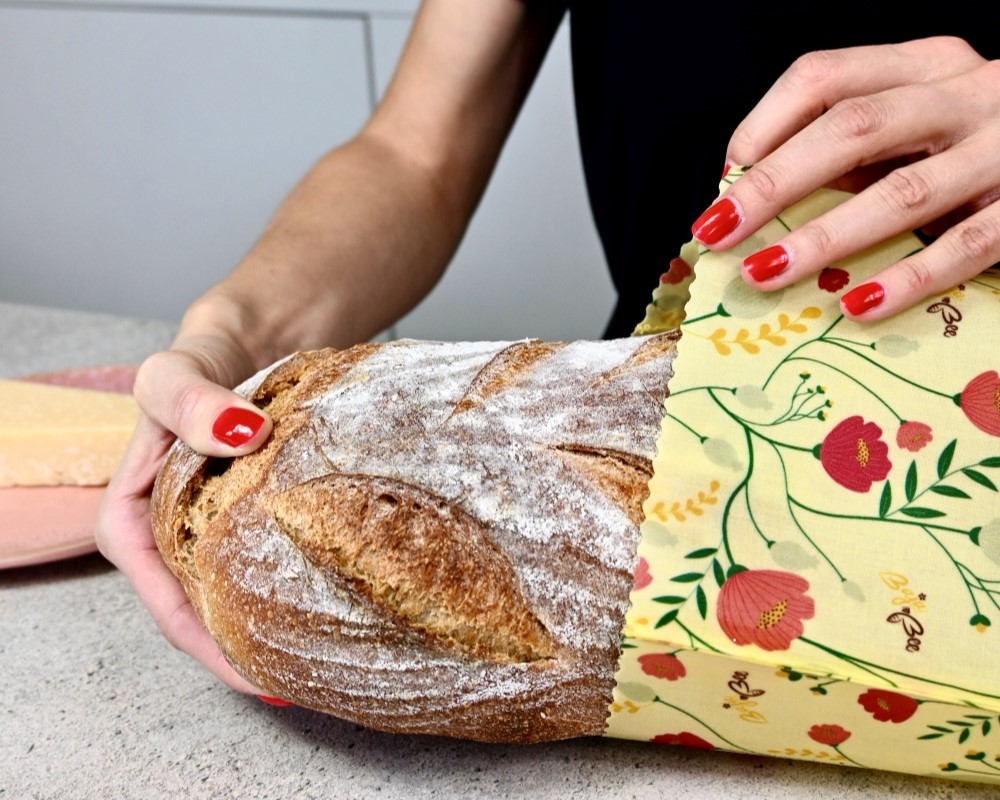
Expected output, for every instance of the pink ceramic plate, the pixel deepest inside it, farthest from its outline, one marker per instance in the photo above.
(39, 524)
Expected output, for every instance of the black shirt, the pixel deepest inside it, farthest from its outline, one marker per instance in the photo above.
(660, 87)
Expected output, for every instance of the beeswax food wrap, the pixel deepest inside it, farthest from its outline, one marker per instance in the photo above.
(819, 571)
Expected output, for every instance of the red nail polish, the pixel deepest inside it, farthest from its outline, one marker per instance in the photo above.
(274, 701)
(716, 223)
(236, 426)
(767, 263)
(725, 170)
(863, 298)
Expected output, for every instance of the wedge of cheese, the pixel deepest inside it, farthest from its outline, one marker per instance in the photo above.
(58, 436)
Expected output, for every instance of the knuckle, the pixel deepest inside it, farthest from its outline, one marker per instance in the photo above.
(186, 402)
(917, 276)
(144, 385)
(991, 69)
(762, 182)
(857, 117)
(820, 240)
(813, 68)
(975, 240)
(742, 143)
(949, 47)
(906, 189)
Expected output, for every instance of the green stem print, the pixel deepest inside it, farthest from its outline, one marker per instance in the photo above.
(965, 573)
(688, 428)
(851, 378)
(846, 757)
(753, 519)
(938, 487)
(897, 376)
(800, 398)
(798, 524)
(743, 486)
(693, 637)
(864, 666)
(871, 667)
(971, 724)
(845, 345)
(796, 349)
(953, 767)
(703, 724)
(720, 311)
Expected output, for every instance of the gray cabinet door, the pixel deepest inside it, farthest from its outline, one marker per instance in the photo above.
(143, 150)
(143, 147)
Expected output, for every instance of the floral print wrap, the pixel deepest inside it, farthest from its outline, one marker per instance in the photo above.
(819, 570)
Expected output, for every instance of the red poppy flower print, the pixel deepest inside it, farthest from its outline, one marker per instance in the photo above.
(833, 280)
(888, 706)
(684, 738)
(980, 400)
(854, 455)
(832, 735)
(764, 607)
(914, 436)
(643, 577)
(678, 270)
(662, 665)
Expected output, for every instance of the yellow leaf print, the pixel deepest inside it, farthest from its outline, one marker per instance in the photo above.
(806, 753)
(716, 339)
(628, 707)
(750, 343)
(679, 511)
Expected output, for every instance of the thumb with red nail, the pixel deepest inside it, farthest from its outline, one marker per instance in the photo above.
(184, 393)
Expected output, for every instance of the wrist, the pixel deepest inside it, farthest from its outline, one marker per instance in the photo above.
(264, 323)
(219, 321)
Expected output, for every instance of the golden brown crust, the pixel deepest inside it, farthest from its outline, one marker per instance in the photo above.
(437, 538)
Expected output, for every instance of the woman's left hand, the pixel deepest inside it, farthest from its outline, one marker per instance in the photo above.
(913, 129)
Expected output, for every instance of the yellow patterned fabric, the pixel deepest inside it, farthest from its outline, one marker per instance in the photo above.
(819, 570)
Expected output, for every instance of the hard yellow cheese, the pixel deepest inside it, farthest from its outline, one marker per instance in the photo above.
(54, 435)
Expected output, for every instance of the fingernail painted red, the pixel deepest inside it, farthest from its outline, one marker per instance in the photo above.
(236, 426)
(274, 701)
(863, 298)
(725, 170)
(718, 222)
(767, 263)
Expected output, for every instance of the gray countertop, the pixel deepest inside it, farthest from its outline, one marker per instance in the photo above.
(94, 703)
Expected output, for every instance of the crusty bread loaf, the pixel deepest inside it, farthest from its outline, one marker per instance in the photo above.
(437, 538)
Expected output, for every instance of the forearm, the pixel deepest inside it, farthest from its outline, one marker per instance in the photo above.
(369, 230)
(358, 243)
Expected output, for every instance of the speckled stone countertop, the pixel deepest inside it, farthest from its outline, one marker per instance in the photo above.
(94, 703)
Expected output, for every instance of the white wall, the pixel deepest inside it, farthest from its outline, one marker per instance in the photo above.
(143, 147)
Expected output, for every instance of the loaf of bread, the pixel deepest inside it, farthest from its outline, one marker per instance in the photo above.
(437, 538)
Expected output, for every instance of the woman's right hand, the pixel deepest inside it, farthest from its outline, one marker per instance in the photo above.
(182, 393)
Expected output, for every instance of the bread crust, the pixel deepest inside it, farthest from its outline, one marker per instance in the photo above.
(437, 538)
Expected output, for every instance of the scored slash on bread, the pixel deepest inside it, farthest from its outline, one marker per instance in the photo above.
(437, 538)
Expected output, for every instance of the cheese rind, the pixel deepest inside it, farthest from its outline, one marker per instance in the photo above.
(55, 435)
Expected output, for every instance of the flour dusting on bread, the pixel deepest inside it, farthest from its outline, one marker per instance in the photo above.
(438, 537)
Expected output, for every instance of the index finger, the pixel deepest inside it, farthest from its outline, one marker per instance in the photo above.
(126, 539)
(819, 80)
